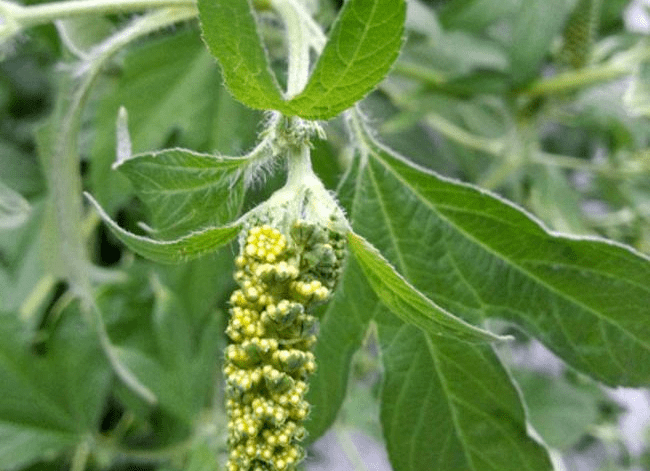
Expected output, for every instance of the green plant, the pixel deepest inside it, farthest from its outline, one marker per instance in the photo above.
(109, 364)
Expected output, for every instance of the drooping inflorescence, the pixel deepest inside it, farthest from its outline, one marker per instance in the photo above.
(268, 363)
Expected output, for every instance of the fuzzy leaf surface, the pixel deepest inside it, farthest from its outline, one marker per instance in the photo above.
(230, 32)
(185, 190)
(479, 256)
(406, 302)
(362, 47)
(171, 251)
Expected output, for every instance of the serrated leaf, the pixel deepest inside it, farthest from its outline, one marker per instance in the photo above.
(479, 256)
(449, 405)
(185, 190)
(362, 46)
(174, 96)
(361, 49)
(230, 32)
(406, 302)
(171, 251)
(14, 209)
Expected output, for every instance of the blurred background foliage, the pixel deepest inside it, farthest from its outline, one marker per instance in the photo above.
(546, 102)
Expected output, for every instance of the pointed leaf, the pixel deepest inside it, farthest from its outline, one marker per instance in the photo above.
(450, 406)
(171, 251)
(479, 256)
(362, 47)
(185, 190)
(406, 302)
(230, 32)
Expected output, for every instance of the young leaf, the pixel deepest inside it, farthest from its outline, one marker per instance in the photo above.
(362, 47)
(230, 32)
(476, 255)
(449, 405)
(407, 302)
(185, 190)
(171, 251)
(162, 84)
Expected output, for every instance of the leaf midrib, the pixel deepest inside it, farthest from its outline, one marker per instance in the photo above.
(509, 261)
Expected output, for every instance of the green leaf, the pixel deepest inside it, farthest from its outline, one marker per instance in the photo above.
(478, 256)
(48, 403)
(361, 49)
(181, 367)
(342, 330)
(171, 251)
(362, 46)
(475, 15)
(162, 84)
(535, 26)
(561, 412)
(230, 32)
(450, 405)
(14, 209)
(407, 302)
(185, 190)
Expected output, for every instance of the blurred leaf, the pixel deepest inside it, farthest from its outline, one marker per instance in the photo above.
(561, 412)
(637, 96)
(478, 256)
(362, 46)
(474, 15)
(14, 209)
(406, 302)
(180, 371)
(171, 251)
(535, 25)
(450, 405)
(186, 191)
(20, 169)
(230, 32)
(48, 404)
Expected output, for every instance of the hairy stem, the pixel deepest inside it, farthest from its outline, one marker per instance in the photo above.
(27, 16)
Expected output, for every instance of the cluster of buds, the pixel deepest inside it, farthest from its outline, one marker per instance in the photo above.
(267, 365)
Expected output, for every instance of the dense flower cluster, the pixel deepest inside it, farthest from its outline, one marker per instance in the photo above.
(272, 332)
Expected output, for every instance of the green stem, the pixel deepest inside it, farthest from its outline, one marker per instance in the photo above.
(80, 458)
(26, 16)
(619, 66)
(419, 72)
(567, 81)
(298, 43)
(458, 134)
